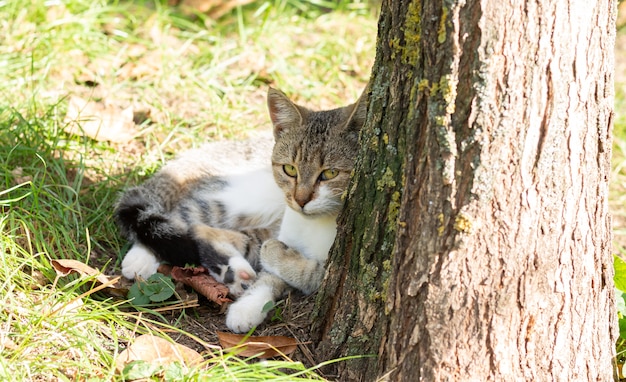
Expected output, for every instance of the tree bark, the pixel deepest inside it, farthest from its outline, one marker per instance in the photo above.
(475, 243)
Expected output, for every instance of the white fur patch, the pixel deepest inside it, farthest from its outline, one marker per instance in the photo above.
(253, 194)
(247, 312)
(324, 203)
(243, 273)
(139, 261)
(311, 236)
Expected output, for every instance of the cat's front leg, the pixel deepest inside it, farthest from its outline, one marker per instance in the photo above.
(247, 312)
(290, 265)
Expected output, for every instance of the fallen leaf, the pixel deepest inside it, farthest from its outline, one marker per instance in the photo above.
(18, 176)
(165, 269)
(64, 267)
(99, 121)
(7, 343)
(148, 65)
(39, 279)
(214, 8)
(158, 351)
(261, 346)
(202, 282)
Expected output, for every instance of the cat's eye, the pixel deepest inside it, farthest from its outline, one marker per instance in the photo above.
(290, 170)
(329, 174)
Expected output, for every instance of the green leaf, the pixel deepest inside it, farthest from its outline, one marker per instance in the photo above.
(139, 370)
(136, 295)
(268, 306)
(278, 315)
(164, 288)
(620, 273)
(174, 372)
(159, 278)
(163, 295)
(157, 288)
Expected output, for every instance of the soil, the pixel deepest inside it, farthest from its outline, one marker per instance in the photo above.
(291, 318)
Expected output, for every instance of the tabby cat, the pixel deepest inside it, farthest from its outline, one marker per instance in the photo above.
(259, 232)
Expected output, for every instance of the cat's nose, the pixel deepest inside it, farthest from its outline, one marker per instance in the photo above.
(302, 200)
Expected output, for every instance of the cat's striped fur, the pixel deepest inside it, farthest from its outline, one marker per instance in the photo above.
(186, 214)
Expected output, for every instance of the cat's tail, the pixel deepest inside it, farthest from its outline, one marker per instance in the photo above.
(141, 218)
(135, 211)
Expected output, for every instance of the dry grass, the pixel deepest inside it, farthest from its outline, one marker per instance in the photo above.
(186, 80)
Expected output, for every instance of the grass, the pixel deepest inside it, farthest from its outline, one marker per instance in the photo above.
(188, 79)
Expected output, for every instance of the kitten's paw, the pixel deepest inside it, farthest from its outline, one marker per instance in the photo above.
(247, 312)
(274, 254)
(242, 273)
(139, 261)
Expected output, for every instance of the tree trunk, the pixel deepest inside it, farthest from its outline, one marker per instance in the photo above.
(476, 239)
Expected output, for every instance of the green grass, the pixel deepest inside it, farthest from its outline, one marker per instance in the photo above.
(197, 80)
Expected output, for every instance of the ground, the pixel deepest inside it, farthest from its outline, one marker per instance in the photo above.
(169, 81)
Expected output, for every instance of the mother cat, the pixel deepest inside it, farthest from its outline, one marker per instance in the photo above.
(186, 214)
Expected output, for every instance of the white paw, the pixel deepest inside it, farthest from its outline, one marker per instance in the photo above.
(139, 261)
(243, 275)
(247, 312)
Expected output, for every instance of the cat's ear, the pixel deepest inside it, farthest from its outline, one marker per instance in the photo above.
(358, 112)
(284, 113)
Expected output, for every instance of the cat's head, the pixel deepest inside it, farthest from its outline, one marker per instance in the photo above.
(314, 152)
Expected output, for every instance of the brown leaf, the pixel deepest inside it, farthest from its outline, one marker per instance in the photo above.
(261, 346)
(165, 269)
(158, 351)
(64, 267)
(19, 177)
(99, 121)
(214, 8)
(202, 282)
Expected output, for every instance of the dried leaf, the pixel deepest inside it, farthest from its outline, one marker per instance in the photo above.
(158, 351)
(39, 279)
(18, 177)
(99, 121)
(202, 282)
(261, 346)
(214, 8)
(7, 343)
(165, 269)
(64, 267)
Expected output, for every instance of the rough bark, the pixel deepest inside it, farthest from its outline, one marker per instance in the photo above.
(475, 242)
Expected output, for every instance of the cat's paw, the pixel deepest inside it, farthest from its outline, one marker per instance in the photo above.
(247, 312)
(273, 255)
(243, 275)
(139, 261)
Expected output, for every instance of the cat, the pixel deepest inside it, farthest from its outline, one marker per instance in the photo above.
(185, 214)
(188, 213)
(312, 160)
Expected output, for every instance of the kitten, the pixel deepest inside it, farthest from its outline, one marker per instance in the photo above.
(187, 214)
(312, 160)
